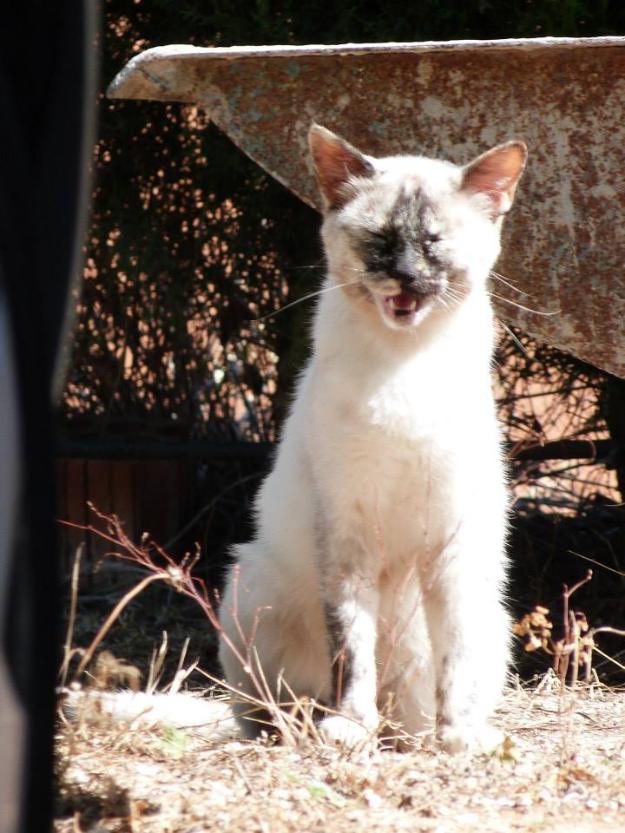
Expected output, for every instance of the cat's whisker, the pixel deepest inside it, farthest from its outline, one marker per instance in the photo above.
(507, 282)
(301, 300)
(514, 337)
(319, 265)
(524, 308)
(453, 296)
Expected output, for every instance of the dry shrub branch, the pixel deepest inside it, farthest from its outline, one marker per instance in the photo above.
(574, 649)
(274, 705)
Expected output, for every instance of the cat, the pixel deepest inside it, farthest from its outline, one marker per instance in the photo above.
(375, 577)
(374, 583)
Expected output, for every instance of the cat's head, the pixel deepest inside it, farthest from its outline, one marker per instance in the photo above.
(407, 234)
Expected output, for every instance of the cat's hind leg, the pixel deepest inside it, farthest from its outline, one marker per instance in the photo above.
(273, 643)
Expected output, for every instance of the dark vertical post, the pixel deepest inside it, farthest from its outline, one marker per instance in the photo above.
(47, 94)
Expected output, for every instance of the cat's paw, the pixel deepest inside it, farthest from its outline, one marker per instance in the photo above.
(455, 739)
(347, 731)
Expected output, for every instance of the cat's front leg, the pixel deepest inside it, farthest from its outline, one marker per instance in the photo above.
(469, 631)
(351, 600)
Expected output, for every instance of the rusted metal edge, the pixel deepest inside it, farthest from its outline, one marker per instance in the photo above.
(121, 88)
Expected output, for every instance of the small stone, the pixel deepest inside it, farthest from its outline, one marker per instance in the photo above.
(415, 776)
(372, 799)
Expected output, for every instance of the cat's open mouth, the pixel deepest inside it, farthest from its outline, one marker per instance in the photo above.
(403, 306)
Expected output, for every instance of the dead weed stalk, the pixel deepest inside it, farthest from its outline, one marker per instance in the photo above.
(575, 648)
(292, 717)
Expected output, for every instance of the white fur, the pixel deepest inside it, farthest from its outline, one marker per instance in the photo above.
(387, 496)
(206, 717)
(386, 504)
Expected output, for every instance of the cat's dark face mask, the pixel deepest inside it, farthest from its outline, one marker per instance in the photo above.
(404, 263)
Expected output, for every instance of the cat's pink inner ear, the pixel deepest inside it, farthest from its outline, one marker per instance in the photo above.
(336, 162)
(496, 174)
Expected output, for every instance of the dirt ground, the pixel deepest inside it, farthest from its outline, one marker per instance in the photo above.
(562, 767)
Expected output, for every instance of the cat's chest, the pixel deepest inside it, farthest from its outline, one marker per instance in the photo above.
(396, 448)
(406, 405)
(376, 438)
(415, 403)
(378, 485)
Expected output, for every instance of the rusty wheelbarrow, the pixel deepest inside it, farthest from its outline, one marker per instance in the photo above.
(564, 249)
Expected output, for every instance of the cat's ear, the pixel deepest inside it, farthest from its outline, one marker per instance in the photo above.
(336, 162)
(495, 175)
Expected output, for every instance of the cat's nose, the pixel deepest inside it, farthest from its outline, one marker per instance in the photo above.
(405, 278)
(416, 281)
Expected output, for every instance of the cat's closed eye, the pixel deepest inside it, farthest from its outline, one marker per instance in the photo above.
(383, 242)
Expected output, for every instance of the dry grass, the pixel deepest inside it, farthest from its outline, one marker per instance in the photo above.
(562, 768)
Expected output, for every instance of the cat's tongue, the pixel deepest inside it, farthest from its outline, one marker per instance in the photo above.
(403, 301)
(402, 307)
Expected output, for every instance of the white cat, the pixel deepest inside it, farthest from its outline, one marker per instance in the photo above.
(375, 577)
(376, 572)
